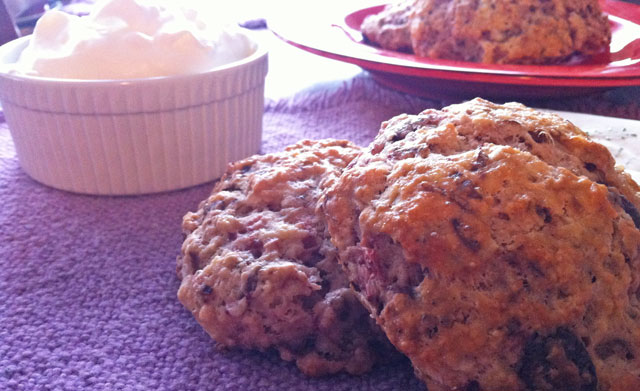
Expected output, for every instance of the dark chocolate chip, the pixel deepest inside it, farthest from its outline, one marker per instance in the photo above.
(558, 361)
(473, 385)
(231, 187)
(206, 290)
(252, 281)
(481, 161)
(590, 167)
(544, 213)
(460, 229)
(503, 216)
(255, 247)
(194, 259)
(398, 136)
(630, 209)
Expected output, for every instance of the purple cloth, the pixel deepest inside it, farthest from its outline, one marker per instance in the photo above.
(88, 284)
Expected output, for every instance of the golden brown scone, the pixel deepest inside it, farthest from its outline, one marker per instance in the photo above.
(509, 32)
(497, 247)
(258, 270)
(496, 31)
(390, 28)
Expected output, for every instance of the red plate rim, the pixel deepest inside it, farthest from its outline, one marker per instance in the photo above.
(346, 45)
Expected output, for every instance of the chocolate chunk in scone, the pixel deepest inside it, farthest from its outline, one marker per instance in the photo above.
(258, 270)
(497, 247)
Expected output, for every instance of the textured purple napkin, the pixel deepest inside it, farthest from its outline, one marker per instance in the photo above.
(88, 284)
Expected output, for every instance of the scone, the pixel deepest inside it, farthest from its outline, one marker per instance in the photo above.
(509, 32)
(497, 247)
(498, 31)
(258, 270)
(390, 28)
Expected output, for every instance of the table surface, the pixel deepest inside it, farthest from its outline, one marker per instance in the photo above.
(88, 283)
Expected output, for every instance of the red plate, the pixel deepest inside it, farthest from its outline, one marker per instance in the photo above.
(336, 34)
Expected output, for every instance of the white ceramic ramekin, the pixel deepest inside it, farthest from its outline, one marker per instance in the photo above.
(117, 137)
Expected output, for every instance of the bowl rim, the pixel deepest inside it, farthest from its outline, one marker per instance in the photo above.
(20, 44)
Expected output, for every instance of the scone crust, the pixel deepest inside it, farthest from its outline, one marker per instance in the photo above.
(258, 270)
(497, 247)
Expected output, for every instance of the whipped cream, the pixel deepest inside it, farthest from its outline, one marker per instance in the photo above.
(127, 39)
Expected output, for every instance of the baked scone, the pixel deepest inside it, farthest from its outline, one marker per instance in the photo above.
(499, 31)
(258, 270)
(497, 247)
(390, 28)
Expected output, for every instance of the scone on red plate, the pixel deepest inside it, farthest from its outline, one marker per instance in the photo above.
(497, 247)
(258, 270)
(496, 31)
